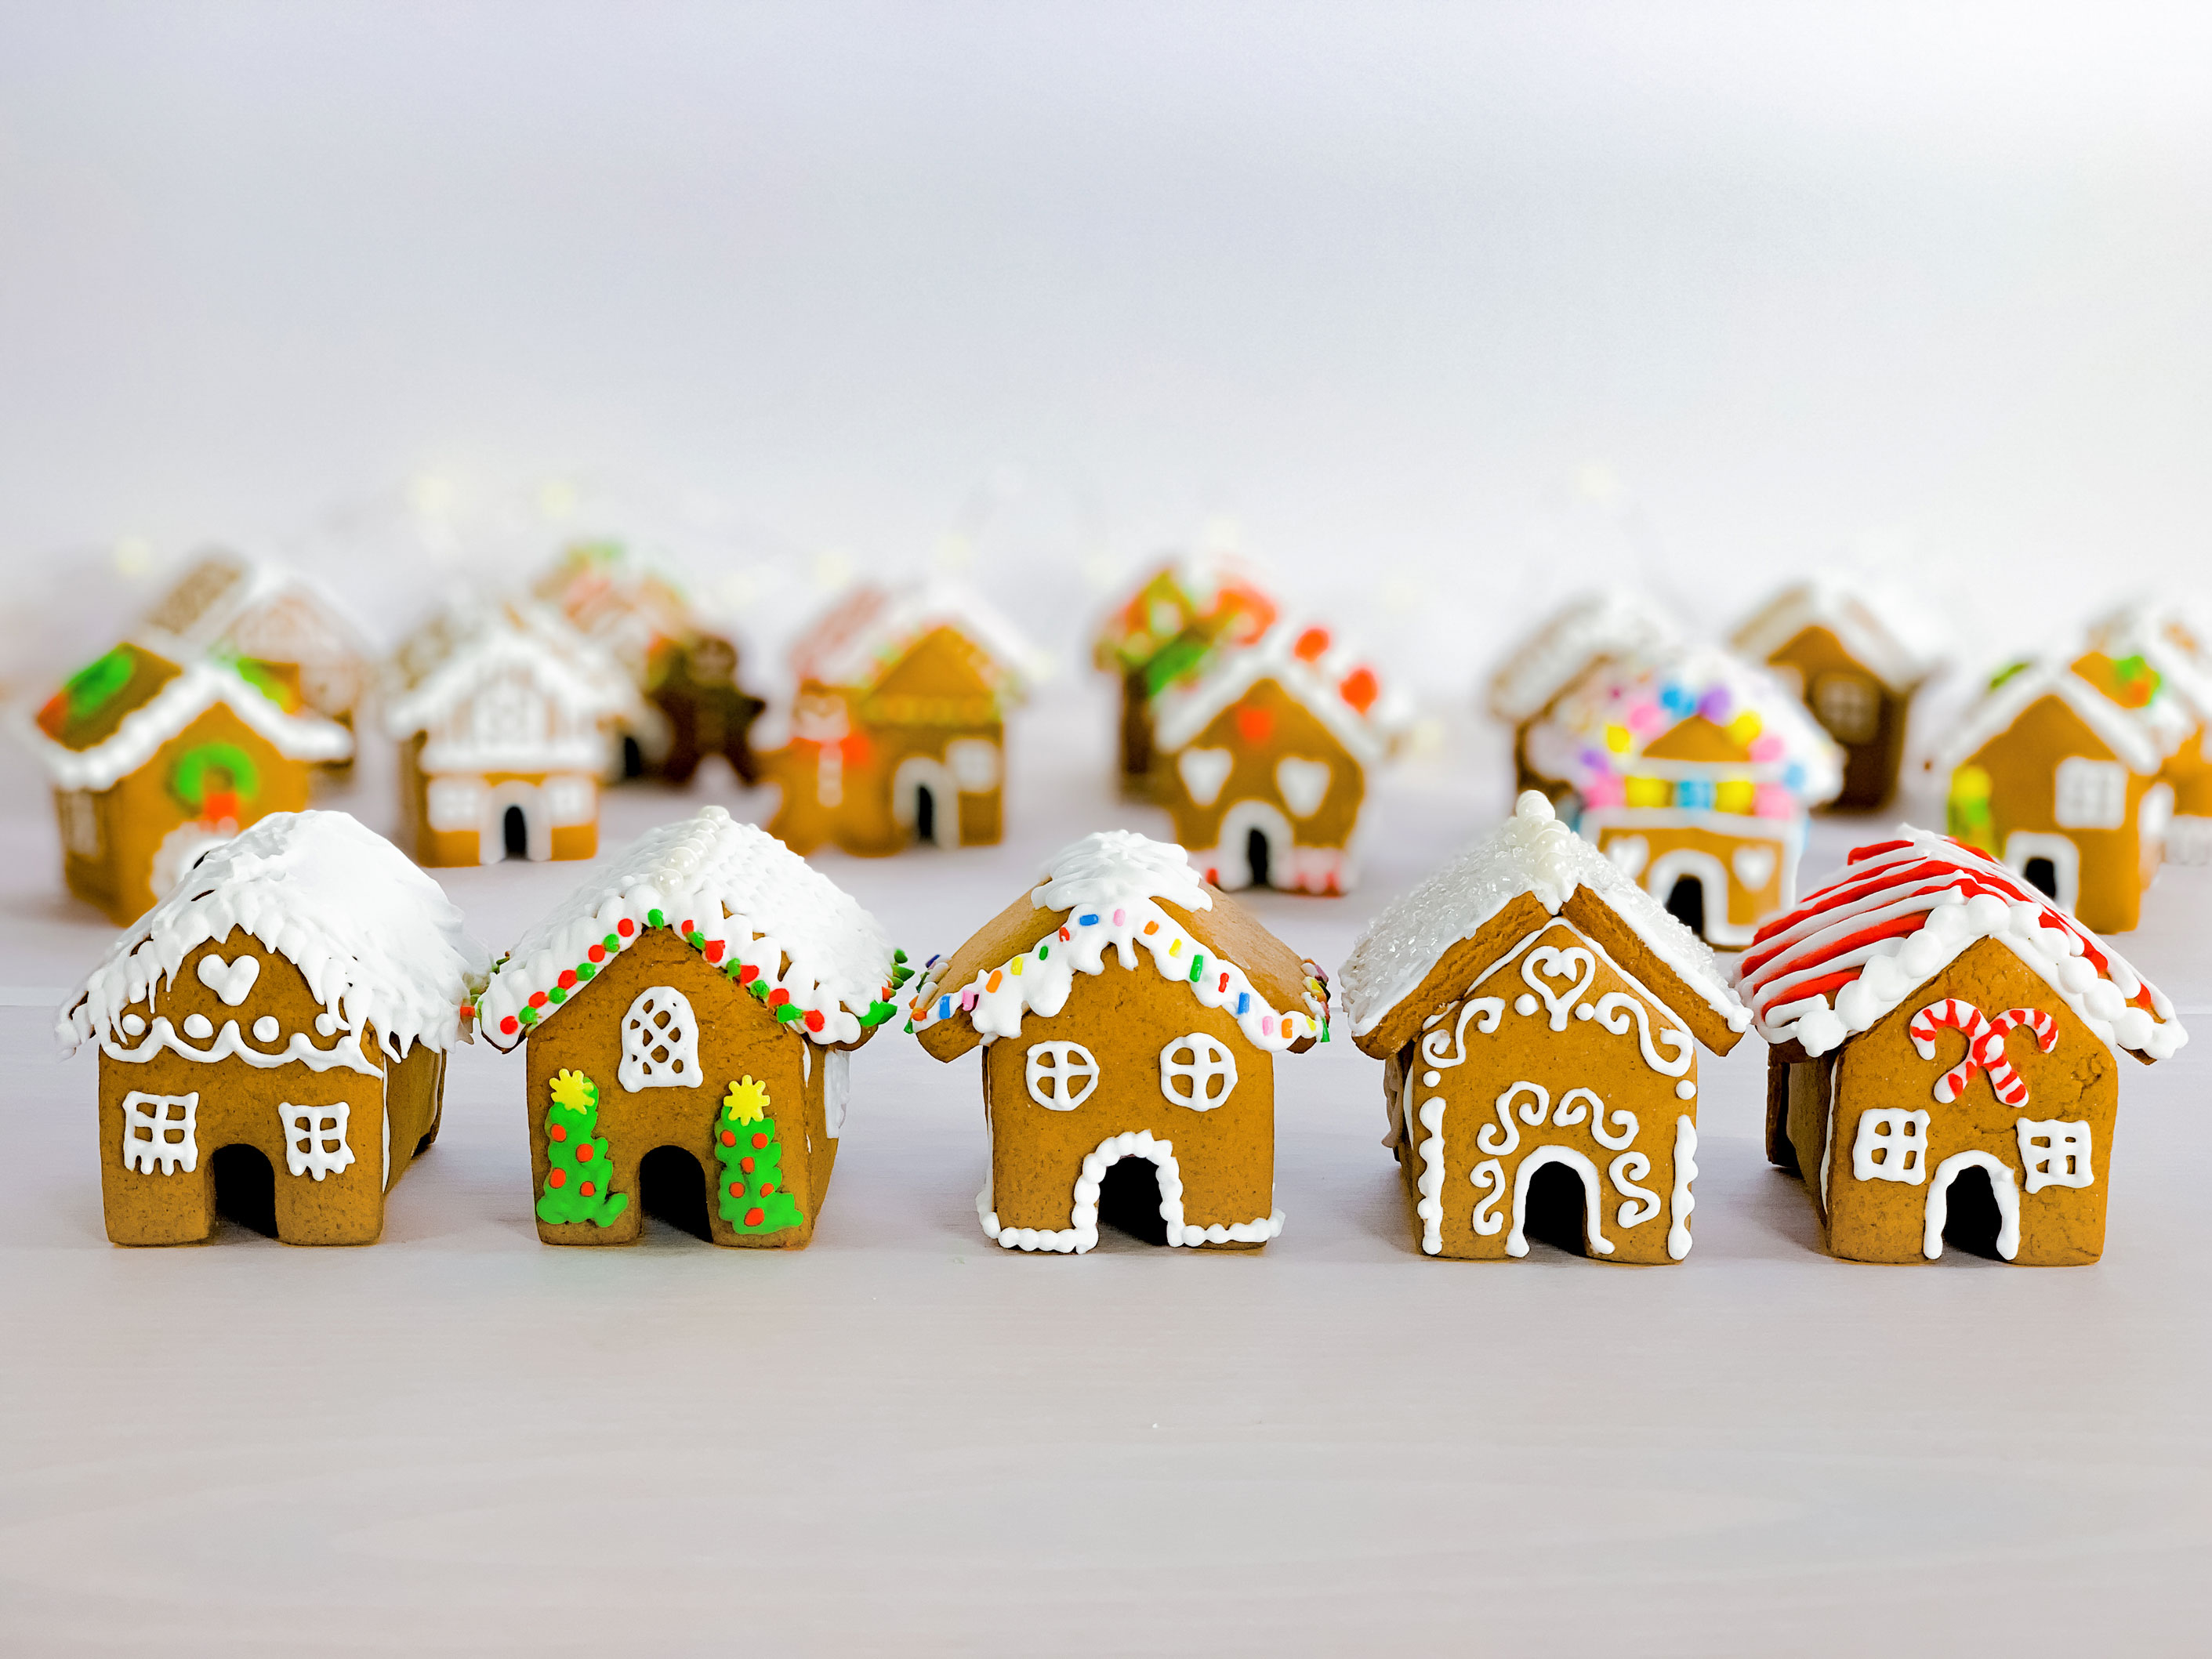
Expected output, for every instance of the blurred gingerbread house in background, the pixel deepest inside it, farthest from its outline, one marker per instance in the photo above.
(1853, 661)
(1261, 759)
(507, 718)
(898, 725)
(1165, 631)
(1610, 627)
(1694, 775)
(2165, 639)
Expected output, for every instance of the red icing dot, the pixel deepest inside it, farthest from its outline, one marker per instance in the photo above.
(813, 1020)
(759, 1141)
(558, 1178)
(597, 953)
(728, 1139)
(1360, 689)
(744, 1163)
(587, 1189)
(625, 927)
(584, 1153)
(686, 929)
(714, 950)
(558, 1132)
(510, 1026)
(748, 974)
(568, 980)
(754, 1217)
(767, 1188)
(1255, 725)
(1311, 644)
(737, 1189)
(537, 999)
(778, 997)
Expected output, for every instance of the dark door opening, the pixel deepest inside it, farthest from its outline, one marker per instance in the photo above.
(633, 758)
(245, 1188)
(671, 1188)
(2042, 874)
(1259, 857)
(1554, 1211)
(1973, 1218)
(924, 815)
(1129, 1200)
(1685, 903)
(514, 830)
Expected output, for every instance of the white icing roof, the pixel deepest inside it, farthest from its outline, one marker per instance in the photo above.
(778, 906)
(254, 585)
(1612, 623)
(870, 629)
(202, 684)
(377, 939)
(2167, 638)
(1112, 867)
(1310, 663)
(1896, 644)
(1535, 853)
(2141, 737)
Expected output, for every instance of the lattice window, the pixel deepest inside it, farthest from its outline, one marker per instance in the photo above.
(660, 1042)
(2054, 1153)
(1060, 1075)
(2089, 794)
(1191, 1066)
(1848, 705)
(160, 1130)
(1892, 1146)
(315, 1139)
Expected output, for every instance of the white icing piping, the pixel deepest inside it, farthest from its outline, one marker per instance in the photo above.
(140, 734)
(2003, 1185)
(1081, 1233)
(1686, 1171)
(1516, 1242)
(229, 1044)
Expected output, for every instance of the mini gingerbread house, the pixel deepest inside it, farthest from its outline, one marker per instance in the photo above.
(1165, 631)
(1127, 1010)
(1935, 1020)
(1261, 760)
(505, 719)
(155, 759)
(898, 727)
(2169, 643)
(2058, 771)
(294, 996)
(1694, 775)
(1613, 626)
(1534, 1007)
(704, 994)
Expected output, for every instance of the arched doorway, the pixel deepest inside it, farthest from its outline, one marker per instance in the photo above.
(2003, 1187)
(1516, 1241)
(1694, 888)
(925, 802)
(514, 833)
(1255, 847)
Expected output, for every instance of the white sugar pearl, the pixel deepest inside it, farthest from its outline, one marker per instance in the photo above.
(265, 1029)
(326, 1025)
(133, 1026)
(1525, 1004)
(1685, 1090)
(197, 1029)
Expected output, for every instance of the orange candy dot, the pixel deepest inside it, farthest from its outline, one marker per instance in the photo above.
(584, 1153)
(754, 1217)
(746, 1165)
(558, 1178)
(556, 1133)
(759, 1141)
(587, 1189)
(737, 1189)
(729, 1138)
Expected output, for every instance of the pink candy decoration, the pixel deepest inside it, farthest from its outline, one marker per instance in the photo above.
(1605, 791)
(1644, 716)
(1773, 800)
(1766, 747)
(1121, 916)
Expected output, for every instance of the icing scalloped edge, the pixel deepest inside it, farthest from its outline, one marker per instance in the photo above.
(1081, 1234)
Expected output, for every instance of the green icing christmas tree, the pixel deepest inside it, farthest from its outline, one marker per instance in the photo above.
(576, 1185)
(753, 1199)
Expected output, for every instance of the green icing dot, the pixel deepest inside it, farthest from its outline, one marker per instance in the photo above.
(654, 919)
(611, 942)
(528, 1016)
(1043, 951)
(585, 970)
(556, 996)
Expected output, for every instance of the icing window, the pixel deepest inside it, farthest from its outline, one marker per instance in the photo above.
(1892, 1146)
(1060, 1075)
(1191, 1067)
(160, 1129)
(315, 1139)
(2090, 794)
(1848, 706)
(660, 1042)
(2054, 1153)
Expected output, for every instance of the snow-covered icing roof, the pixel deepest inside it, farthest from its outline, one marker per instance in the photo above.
(1600, 732)
(626, 602)
(2170, 641)
(160, 699)
(1533, 853)
(1328, 678)
(2142, 737)
(1613, 622)
(1894, 643)
(867, 633)
(218, 598)
(753, 908)
(1108, 888)
(1206, 592)
(378, 943)
(1902, 911)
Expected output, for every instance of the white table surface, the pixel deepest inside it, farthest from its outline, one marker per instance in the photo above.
(904, 1440)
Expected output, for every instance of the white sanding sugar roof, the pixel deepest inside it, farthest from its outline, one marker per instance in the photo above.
(253, 583)
(1114, 866)
(1533, 853)
(868, 632)
(1902, 911)
(181, 700)
(378, 941)
(2141, 737)
(1612, 623)
(2167, 638)
(790, 935)
(1327, 676)
(1899, 644)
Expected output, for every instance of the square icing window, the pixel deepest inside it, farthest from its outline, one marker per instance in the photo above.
(2089, 794)
(1892, 1146)
(1848, 705)
(2054, 1153)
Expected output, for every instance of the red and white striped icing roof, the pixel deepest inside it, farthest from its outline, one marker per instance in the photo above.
(1902, 912)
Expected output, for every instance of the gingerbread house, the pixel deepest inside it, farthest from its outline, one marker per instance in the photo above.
(155, 759)
(2058, 771)
(1261, 759)
(702, 997)
(2170, 643)
(898, 725)
(1694, 775)
(289, 1008)
(1165, 630)
(1941, 1028)
(1534, 1008)
(284, 625)
(1612, 626)
(1129, 1015)
(1853, 661)
(505, 719)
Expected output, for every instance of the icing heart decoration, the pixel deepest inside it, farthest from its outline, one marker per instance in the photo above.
(1304, 784)
(232, 981)
(1754, 865)
(1203, 771)
(1574, 965)
(1631, 854)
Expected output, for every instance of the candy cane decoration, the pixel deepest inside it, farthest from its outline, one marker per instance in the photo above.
(2011, 1087)
(1985, 1046)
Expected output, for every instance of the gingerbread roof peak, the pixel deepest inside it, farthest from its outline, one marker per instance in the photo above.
(378, 943)
(755, 908)
(219, 591)
(1532, 852)
(2167, 637)
(867, 634)
(2141, 737)
(1889, 640)
(1114, 865)
(1611, 623)
(1328, 677)
(1178, 594)
(1904, 910)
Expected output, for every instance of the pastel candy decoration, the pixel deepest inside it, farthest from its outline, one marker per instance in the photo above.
(1767, 748)
(1678, 702)
(1694, 794)
(1645, 717)
(1603, 791)
(1773, 800)
(1715, 705)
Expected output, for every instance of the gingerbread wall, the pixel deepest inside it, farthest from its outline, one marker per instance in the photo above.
(2022, 763)
(1870, 762)
(1259, 730)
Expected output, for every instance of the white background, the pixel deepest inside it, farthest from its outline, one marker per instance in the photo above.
(1441, 312)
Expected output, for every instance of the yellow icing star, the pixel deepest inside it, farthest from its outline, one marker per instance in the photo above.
(574, 1091)
(746, 1102)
